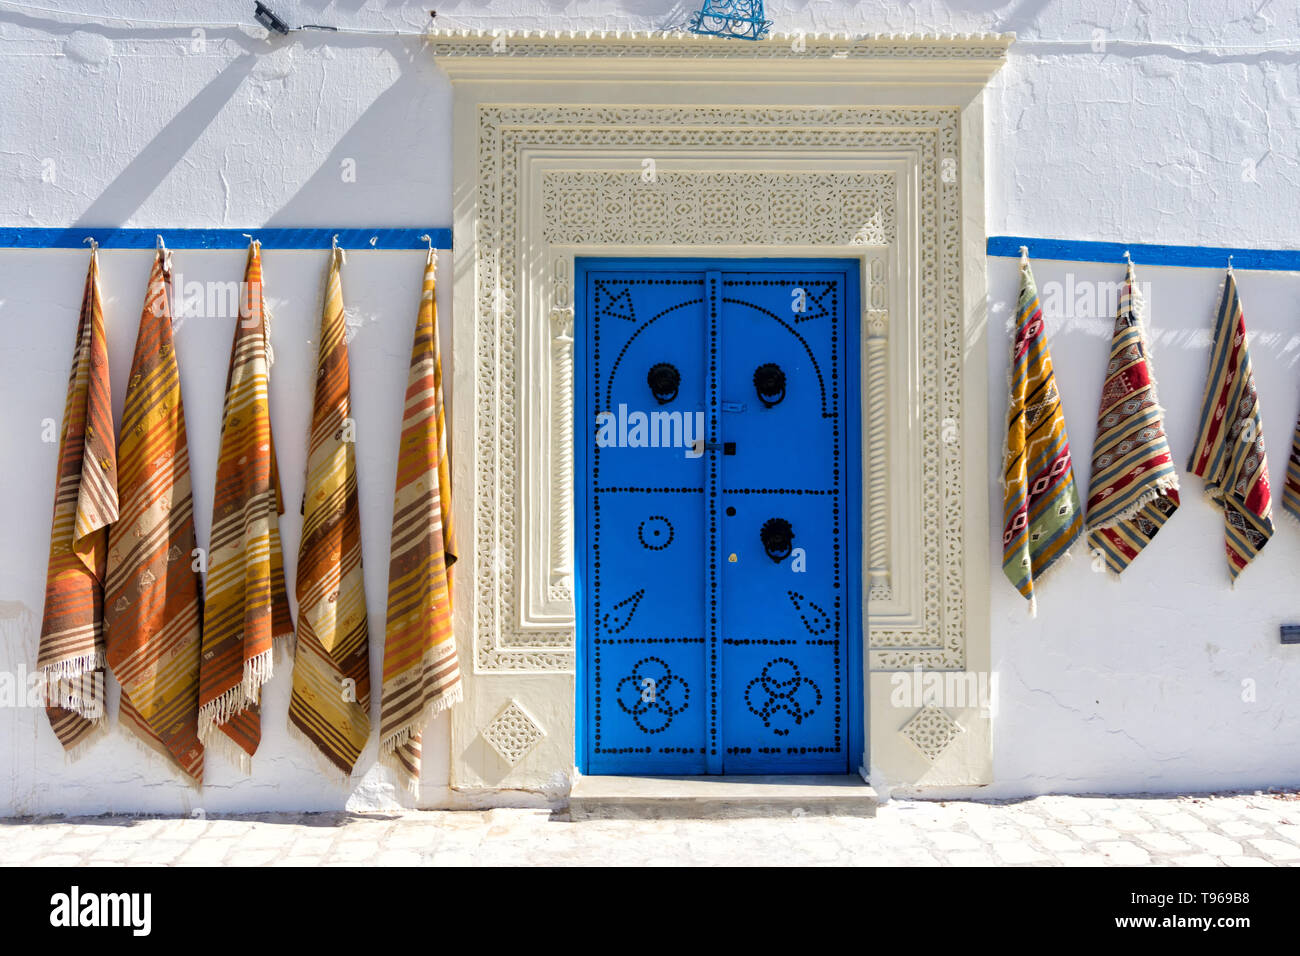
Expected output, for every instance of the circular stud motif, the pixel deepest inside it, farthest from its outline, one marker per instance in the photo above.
(652, 695)
(664, 381)
(655, 532)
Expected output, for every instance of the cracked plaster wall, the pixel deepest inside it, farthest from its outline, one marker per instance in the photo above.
(1113, 687)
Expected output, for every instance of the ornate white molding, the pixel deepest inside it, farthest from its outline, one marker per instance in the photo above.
(514, 629)
(923, 58)
(835, 171)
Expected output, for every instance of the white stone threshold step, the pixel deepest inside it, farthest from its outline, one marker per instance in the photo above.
(604, 798)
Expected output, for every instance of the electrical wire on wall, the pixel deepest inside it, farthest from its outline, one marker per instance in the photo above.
(1105, 45)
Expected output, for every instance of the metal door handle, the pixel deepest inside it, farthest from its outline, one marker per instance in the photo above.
(778, 538)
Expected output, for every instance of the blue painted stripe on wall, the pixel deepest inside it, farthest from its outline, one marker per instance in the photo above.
(110, 238)
(1195, 257)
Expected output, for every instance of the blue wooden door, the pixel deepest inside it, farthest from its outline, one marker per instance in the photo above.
(717, 474)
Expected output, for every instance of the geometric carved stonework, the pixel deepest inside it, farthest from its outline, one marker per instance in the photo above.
(513, 732)
(620, 206)
(931, 731)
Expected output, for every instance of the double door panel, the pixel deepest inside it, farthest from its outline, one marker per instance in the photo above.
(716, 468)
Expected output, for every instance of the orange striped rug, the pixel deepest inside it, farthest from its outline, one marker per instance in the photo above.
(247, 604)
(71, 654)
(330, 705)
(152, 602)
(421, 673)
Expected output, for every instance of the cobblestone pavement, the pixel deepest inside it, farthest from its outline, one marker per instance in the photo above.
(1260, 829)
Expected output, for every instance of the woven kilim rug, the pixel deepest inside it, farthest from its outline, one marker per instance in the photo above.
(71, 654)
(330, 705)
(1291, 489)
(247, 604)
(421, 673)
(153, 606)
(1134, 486)
(1041, 517)
(1229, 452)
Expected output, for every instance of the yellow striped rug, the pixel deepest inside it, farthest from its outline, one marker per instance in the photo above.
(421, 673)
(330, 705)
(247, 604)
(152, 600)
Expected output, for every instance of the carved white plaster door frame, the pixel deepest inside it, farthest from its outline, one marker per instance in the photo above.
(870, 148)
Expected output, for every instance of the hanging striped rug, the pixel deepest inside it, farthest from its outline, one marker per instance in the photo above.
(421, 673)
(330, 705)
(1134, 486)
(153, 606)
(247, 604)
(1041, 517)
(1229, 452)
(71, 652)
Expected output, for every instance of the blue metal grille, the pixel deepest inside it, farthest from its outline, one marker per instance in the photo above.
(731, 18)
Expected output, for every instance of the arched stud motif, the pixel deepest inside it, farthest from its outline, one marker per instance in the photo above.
(664, 381)
(769, 383)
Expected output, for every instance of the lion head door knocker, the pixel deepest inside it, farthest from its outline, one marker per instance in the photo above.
(769, 382)
(664, 381)
(778, 538)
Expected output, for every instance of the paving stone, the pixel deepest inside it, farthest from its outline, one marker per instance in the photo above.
(1215, 843)
(1181, 821)
(1288, 831)
(1123, 853)
(1092, 834)
(947, 840)
(1017, 853)
(1164, 842)
(1276, 849)
(1240, 828)
(1235, 830)
(1244, 861)
(1055, 841)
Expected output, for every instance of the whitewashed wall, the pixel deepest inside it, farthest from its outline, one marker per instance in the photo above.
(1113, 687)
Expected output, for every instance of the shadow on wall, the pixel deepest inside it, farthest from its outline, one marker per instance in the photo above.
(405, 119)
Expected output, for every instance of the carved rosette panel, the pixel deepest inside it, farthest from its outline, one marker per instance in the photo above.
(706, 208)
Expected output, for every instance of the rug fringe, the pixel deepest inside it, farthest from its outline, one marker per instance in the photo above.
(1161, 490)
(74, 753)
(388, 745)
(230, 750)
(327, 766)
(151, 747)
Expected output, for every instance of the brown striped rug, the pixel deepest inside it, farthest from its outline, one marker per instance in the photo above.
(247, 605)
(330, 705)
(421, 674)
(152, 601)
(71, 654)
